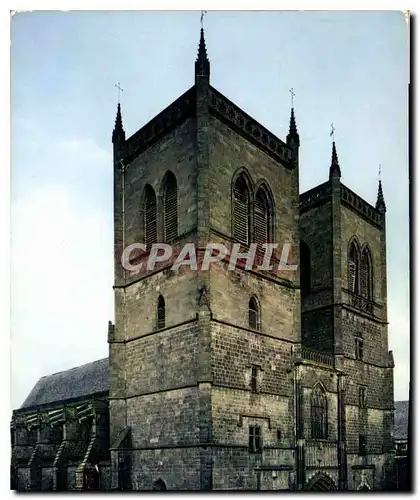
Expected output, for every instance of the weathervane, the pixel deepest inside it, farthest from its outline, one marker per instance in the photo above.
(380, 171)
(292, 95)
(202, 17)
(332, 132)
(120, 89)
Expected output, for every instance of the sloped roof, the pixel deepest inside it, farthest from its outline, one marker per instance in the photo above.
(77, 382)
(401, 420)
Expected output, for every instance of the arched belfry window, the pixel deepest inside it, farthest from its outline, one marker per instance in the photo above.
(305, 268)
(354, 267)
(254, 314)
(263, 216)
(149, 214)
(170, 207)
(241, 210)
(319, 414)
(161, 313)
(366, 281)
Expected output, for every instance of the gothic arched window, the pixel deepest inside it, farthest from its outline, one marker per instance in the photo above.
(149, 212)
(319, 415)
(170, 207)
(354, 268)
(305, 269)
(366, 281)
(241, 210)
(161, 314)
(263, 215)
(254, 314)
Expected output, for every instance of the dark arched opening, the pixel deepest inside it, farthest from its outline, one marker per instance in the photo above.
(159, 485)
(161, 313)
(254, 314)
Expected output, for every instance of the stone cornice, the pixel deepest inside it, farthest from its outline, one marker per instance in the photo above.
(161, 124)
(244, 124)
(361, 207)
(315, 197)
(321, 194)
(185, 107)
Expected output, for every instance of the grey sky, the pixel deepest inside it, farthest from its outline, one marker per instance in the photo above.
(346, 68)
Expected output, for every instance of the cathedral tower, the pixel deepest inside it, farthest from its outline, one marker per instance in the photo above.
(198, 358)
(344, 312)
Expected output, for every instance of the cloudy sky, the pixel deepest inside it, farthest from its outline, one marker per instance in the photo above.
(346, 68)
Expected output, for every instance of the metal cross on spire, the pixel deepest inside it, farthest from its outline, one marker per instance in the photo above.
(120, 89)
(202, 17)
(380, 171)
(292, 95)
(332, 132)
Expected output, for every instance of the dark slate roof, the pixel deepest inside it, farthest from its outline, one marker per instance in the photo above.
(401, 420)
(77, 382)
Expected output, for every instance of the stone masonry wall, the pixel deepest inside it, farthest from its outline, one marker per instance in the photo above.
(232, 290)
(230, 152)
(317, 315)
(315, 230)
(236, 348)
(175, 152)
(133, 367)
(352, 225)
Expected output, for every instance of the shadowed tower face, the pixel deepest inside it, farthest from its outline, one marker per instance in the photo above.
(344, 305)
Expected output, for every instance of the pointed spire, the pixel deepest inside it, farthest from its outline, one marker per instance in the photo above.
(292, 125)
(118, 132)
(335, 166)
(380, 202)
(202, 63)
(293, 133)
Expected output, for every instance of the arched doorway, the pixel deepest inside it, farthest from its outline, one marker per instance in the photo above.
(321, 482)
(159, 485)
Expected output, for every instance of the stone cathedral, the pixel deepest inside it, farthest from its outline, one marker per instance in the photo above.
(224, 379)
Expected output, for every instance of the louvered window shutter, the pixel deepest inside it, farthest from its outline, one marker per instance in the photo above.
(353, 270)
(364, 276)
(352, 275)
(150, 228)
(171, 209)
(241, 212)
(261, 220)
